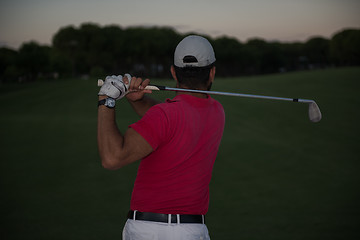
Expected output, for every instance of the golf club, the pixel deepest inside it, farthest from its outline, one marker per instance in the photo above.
(314, 111)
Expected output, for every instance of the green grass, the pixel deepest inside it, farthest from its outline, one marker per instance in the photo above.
(277, 175)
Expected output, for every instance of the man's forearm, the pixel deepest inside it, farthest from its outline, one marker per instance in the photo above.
(110, 140)
(141, 106)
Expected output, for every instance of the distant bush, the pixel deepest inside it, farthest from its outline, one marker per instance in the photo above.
(148, 51)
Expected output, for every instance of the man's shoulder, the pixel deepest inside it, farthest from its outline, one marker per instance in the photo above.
(163, 107)
(216, 103)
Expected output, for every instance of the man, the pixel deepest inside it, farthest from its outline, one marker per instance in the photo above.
(176, 141)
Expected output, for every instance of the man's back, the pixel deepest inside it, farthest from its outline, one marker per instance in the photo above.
(185, 134)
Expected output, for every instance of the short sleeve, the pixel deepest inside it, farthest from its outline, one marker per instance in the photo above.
(153, 126)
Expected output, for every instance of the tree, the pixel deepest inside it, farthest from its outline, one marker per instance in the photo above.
(66, 44)
(8, 68)
(345, 48)
(265, 57)
(317, 51)
(34, 60)
(150, 50)
(112, 56)
(293, 56)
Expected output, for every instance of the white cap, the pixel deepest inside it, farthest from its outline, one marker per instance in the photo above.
(197, 50)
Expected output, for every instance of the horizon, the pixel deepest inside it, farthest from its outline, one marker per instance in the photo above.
(182, 33)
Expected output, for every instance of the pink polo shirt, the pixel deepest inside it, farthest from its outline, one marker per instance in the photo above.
(185, 134)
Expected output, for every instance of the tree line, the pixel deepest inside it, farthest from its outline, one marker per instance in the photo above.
(95, 51)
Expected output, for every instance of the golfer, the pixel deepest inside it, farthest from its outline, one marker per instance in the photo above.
(177, 142)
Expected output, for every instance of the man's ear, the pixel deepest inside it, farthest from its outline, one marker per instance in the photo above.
(212, 74)
(173, 74)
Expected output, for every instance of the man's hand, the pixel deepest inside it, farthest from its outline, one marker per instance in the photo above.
(137, 89)
(114, 87)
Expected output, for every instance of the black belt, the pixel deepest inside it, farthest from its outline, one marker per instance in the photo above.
(159, 217)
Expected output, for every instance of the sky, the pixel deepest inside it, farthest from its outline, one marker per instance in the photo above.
(282, 20)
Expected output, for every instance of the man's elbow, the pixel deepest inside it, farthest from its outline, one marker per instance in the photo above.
(111, 163)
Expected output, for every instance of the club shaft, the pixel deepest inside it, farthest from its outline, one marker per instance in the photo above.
(157, 88)
(233, 94)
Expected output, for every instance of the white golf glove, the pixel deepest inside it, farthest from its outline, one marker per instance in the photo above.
(115, 87)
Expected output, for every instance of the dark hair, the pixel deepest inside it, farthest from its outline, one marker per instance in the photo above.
(193, 77)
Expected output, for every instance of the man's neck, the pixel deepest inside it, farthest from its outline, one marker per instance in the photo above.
(199, 95)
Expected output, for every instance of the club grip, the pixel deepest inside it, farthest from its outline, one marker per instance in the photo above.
(100, 82)
(149, 87)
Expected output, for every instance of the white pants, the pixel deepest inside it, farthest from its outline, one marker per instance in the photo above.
(147, 230)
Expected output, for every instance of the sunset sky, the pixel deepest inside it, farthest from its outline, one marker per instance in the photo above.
(283, 20)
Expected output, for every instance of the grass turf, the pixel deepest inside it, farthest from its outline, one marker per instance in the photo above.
(277, 175)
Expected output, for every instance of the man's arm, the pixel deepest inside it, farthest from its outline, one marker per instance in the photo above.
(137, 99)
(115, 149)
(141, 106)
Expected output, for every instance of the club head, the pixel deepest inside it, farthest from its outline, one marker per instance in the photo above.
(314, 112)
